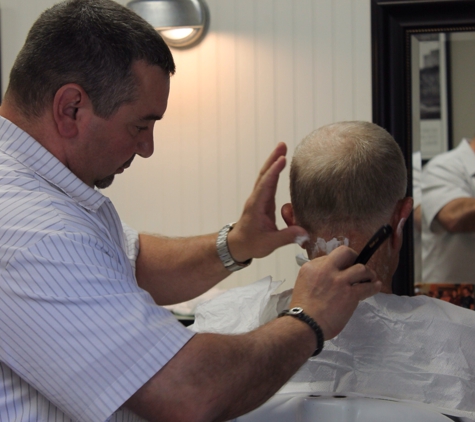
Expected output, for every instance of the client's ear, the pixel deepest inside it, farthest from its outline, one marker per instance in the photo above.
(287, 213)
(401, 214)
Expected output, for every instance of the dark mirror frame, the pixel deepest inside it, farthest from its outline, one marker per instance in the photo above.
(392, 24)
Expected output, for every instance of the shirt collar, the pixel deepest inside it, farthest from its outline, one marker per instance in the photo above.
(19, 145)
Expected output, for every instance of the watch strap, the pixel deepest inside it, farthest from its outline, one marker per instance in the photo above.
(223, 251)
(302, 316)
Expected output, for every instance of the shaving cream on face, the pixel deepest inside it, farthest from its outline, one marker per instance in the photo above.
(301, 240)
(322, 247)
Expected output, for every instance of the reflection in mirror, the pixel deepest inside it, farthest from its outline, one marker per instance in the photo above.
(443, 126)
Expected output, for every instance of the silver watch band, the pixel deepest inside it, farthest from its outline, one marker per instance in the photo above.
(223, 251)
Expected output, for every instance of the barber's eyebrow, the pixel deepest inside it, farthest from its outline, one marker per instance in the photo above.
(152, 117)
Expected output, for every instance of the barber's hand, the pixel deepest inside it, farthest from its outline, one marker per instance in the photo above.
(256, 235)
(329, 289)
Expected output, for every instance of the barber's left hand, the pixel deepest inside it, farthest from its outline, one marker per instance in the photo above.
(256, 235)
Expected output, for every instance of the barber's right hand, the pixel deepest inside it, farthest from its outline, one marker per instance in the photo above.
(329, 289)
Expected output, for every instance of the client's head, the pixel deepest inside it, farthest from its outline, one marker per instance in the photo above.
(348, 179)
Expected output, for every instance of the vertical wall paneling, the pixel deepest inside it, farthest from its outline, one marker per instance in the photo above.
(189, 143)
(246, 112)
(361, 59)
(208, 130)
(304, 58)
(246, 98)
(226, 116)
(226, 87)
(323, 75)
(267, 71)
(343, 53)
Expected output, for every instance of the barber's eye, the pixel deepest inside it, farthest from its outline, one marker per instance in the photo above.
(141, 128)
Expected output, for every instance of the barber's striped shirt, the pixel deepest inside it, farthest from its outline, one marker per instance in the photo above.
(77, 335)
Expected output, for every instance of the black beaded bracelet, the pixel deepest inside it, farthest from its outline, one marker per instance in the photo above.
(299, 313)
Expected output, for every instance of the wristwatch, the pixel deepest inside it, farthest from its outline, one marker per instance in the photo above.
(223, 250)
(298, 313)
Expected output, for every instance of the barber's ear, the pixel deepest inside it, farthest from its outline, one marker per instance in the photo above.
(66, 103)
(287, 213)
(401, 214)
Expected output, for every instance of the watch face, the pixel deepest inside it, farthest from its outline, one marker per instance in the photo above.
(295, 311)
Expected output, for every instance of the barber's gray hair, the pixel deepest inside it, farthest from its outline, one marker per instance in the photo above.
(92, 43)
(346, 174)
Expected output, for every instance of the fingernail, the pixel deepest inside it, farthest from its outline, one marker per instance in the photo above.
(302, 239)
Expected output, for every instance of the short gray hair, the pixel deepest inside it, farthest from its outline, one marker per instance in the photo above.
(346, 174)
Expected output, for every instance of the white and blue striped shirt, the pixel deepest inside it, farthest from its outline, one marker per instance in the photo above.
(78, 337)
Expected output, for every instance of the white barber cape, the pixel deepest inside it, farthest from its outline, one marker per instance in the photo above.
(414, 349)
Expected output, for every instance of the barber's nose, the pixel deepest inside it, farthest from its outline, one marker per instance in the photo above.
(145, 145)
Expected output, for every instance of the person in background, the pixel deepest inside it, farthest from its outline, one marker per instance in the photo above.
(455, 297)
(446, 296)
(82, 335)
(417, 197)
(448, 216)
(466, 300)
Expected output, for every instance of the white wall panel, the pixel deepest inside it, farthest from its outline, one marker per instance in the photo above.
(362, 101)
(303, 103)
(226, 113)
(268, 71)
(323, 47)
(342, 32)
(246, 113)
(209, 181)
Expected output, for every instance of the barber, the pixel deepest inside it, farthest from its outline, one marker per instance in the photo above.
(82, 335)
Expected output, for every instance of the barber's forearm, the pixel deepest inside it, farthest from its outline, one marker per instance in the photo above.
(458, 216)
(174, 270)
(217, 377)
(275, 359)
(222, 377)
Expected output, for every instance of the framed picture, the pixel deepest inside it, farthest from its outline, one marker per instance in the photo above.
(433, 94)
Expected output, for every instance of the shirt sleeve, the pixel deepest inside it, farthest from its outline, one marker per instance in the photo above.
(78, 328)
(132, 246)
(442, 182)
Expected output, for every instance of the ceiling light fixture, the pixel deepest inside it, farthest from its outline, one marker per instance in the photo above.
(181, 23)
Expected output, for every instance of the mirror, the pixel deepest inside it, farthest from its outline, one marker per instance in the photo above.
(420, 94)
(443, 111)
